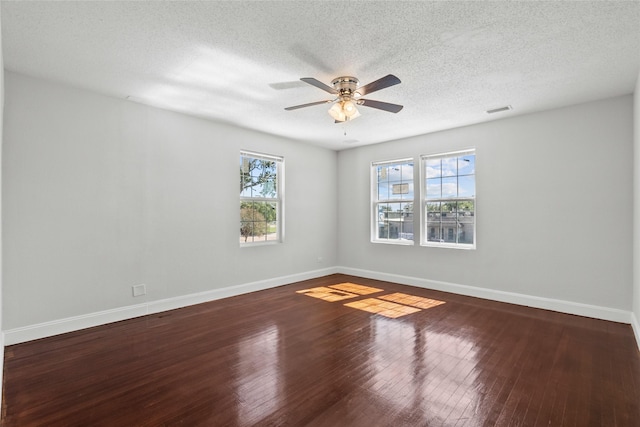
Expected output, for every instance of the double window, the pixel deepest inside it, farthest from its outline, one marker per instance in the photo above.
(261, 198)
(447, 199)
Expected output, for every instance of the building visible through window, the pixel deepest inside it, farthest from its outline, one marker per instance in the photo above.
(449, 199)
(393, 201)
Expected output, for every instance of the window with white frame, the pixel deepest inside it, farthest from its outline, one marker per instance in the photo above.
(449, 199)
(261, 198)
(393, 201)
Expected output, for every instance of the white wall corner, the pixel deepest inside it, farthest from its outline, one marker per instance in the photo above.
(568, 307)
(636, 329)
(75, 323)
(636, 213)
(1, 149)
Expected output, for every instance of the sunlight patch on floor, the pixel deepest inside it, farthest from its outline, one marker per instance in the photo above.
(392, 305)
(383, 308)
(327, 294)
(412, 300)
(356, 289)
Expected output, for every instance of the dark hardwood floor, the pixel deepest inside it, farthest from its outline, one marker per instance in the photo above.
(283, 358)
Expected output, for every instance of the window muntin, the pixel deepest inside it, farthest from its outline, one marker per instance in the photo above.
(449, 196)
(393, 197)
(261, 189)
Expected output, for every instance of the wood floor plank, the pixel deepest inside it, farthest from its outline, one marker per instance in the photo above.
(282, 358)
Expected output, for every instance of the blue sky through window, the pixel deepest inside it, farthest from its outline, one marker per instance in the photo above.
(450, 177)
(395, 181)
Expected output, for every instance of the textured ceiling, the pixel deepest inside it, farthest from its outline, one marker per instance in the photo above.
(240, 62)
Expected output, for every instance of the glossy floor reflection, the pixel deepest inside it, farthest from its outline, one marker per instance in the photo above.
(276, 358)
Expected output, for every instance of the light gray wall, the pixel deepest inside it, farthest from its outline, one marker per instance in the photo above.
(554, 206)
(101, 194)
(1, 149)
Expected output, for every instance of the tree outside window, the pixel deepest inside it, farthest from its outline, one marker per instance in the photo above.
(260, 198)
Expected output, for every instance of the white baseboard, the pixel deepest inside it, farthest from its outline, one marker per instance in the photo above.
(70, 324)
(636, 328)
(597, 312)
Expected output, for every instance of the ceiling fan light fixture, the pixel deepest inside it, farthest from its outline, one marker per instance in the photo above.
(349, 108)
(355, 115)
(336, 112)
(343, 111)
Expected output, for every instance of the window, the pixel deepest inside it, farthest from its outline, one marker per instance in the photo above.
(261, 198)
(449, 199)
(393, 201)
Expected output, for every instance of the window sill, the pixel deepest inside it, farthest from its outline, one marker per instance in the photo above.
(449, 246)
(267, 243)
(395, 242)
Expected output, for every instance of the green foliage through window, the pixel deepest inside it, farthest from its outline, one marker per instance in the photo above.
(449, 197)
(260, 198)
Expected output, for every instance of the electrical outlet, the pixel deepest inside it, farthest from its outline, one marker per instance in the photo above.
(320, 259)
(139, 290)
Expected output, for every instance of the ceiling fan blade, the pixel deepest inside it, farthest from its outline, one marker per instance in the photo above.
(392, 108)
(319, 85)
(295, 107)
(384, 82)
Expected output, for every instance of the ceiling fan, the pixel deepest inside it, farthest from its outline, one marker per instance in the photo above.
(348, 95)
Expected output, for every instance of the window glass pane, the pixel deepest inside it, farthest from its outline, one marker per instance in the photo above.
(434, 188)
(434, 232)
(449, 187)
(398, 190)
(383, 175)
(255, 167)
(466, 214)
(394, 173)
(407, 171)
(433, 208)
(450, 235)
(433, 168)
(449, 166)
(383, 191)
(382, 221)
(467, 186)
(394, 193)
(395, 221)
(258, 178)
(449, 208)
(256, 188)
(246, 228)
(406, 189)
(272, 230)
(245, 191)
(465, 236)
(383, 230)
(467, 165)
(406, 221)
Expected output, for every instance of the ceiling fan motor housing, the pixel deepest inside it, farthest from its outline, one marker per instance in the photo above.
(346, 86)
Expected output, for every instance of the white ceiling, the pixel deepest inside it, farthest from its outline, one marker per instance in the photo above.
(240, 62)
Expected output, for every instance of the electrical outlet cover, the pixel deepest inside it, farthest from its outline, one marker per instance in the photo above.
(139, 290)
